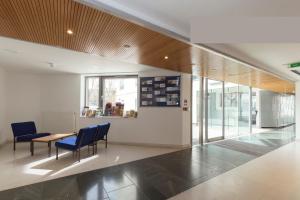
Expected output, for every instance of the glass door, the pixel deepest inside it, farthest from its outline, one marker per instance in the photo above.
(244, 110)
(214, 111)
(220, 110)
(196, 100)
(231, 109)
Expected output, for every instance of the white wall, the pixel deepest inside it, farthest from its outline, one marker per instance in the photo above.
(3, 137)
(60, 98)
(23, 98)
(274, 109)
(154, 125)
(265, 109)
(297, 102)
(52, 100)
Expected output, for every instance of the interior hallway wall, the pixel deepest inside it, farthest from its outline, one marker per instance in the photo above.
(154, 125)
(274, 109)
(297, 102)
(3, 136)
(52, 100)
(23, 98)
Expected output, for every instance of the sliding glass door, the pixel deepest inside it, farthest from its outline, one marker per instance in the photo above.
(196, 115)
(220, 110)
(244, 110)
(214, 110)
(231, 109)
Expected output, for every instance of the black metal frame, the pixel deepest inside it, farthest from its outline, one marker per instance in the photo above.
(94, 145)
(15, 144)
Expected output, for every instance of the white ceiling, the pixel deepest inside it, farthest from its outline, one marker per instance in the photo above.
(175, 15)
(30, 57)
(272, 57)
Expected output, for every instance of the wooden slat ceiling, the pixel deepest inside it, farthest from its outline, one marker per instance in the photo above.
(97, 32)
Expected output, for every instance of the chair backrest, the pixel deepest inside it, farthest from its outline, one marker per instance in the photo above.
(102, 131)
(23, 128)
(86, 136)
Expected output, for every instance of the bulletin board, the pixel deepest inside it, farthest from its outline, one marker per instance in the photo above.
(160, 91)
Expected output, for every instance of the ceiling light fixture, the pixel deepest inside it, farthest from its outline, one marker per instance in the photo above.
(70, 32)
(51, 64)
(166, 57)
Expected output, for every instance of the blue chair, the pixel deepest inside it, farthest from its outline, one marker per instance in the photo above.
(102, 134)
(85, 137)
(25, 132)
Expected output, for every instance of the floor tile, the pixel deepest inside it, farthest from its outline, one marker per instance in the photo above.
(127, 193)
(206, 169)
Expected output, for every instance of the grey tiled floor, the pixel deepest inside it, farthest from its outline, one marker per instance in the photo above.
(158, 177)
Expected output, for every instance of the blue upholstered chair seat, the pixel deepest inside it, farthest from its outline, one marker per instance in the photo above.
(85, 137)
(67, 143)
(29, 137)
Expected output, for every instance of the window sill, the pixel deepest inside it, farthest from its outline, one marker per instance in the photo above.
(108, 117)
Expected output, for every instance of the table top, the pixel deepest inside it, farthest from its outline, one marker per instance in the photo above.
(53, 137)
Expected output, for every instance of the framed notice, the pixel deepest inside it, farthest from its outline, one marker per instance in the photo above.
(160, 91)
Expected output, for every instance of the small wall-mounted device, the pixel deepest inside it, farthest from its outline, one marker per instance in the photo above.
(185, 105)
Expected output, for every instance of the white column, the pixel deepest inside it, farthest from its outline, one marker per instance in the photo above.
(297, 105)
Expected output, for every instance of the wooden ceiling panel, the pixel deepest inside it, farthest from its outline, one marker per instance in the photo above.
(97, 32)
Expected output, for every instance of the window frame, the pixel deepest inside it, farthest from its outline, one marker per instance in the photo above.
(101, 86)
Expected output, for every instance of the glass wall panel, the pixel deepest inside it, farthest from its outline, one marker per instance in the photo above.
(196, 110)
(215, 109)
(254, 109)
(244, 110)
(231, 109)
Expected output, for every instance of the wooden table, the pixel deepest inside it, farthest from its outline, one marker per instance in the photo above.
(48, 139)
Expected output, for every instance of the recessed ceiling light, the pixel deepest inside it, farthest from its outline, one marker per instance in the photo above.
(51, 64)
(166, 57)
(126, 46)
(70, 32)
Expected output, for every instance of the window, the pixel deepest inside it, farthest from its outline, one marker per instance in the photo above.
(111, 95)
(92, 92)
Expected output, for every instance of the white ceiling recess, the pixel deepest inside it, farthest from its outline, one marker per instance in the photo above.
(16, 55)
(273, 57)
(175, 15)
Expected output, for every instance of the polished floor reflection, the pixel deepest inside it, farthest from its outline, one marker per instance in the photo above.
(158, 177)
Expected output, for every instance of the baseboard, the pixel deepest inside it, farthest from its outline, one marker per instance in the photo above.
(279, 127)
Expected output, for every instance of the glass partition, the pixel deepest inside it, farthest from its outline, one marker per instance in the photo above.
(196, 110)
(226, 112)
(231, 109)
(244, 110)
(214, 109)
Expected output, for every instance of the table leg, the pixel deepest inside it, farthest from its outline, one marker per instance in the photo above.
(49, 148)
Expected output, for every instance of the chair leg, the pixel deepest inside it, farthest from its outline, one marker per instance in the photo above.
(56, 153)
(31, 148)
(94, 148)
(106, 142)
(14, 144)
(89, 149)
(79, 155)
